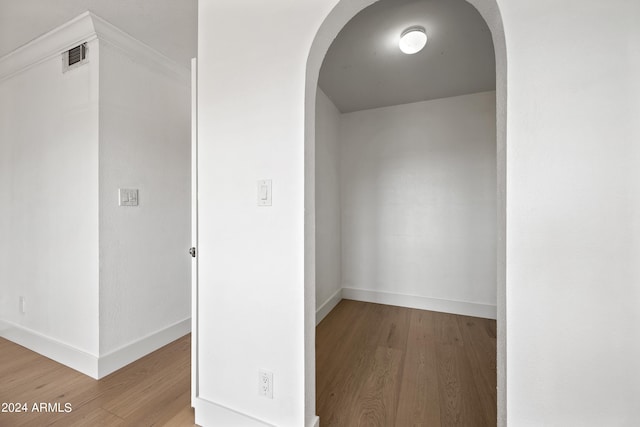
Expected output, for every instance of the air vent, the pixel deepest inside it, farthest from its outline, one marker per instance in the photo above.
(77, 54)
(74, 57)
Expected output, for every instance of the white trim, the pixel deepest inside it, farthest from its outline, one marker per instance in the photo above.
(212, 414)
(328, 305)
(84, 28)
(194, 232)
(53, 43)
(137, 50)
(59, 351)
(314, 422)
(86, 363)
(423, 303)
(133, 351)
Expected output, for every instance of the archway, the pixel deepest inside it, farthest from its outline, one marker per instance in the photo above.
(342, 13)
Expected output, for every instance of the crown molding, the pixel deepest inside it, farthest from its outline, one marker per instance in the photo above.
(56, 41)
(137, 50)
(85, 28)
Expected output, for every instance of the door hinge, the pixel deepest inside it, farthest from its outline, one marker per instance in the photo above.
(192, 251)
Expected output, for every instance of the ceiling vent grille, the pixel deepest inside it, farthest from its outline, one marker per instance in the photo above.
(74, 57)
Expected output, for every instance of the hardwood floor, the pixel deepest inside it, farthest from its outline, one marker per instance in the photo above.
(386, 366)
(153, 391)
(377, 365)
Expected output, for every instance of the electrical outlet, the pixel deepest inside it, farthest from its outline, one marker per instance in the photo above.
(23, 305)
(265, 384)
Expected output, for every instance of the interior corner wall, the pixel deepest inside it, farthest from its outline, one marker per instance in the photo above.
(102, 285)
(145, 269)
(418, 196)
(328, 235)
(49, 207)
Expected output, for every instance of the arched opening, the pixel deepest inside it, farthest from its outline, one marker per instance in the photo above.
(337, 19)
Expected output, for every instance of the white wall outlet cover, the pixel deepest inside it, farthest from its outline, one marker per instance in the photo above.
(265, 383)
(128, 196)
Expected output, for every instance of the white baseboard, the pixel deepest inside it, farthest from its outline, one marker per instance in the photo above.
(314, 422)
(90, 364)
(212, 414)
(328, 305)
(423, 303)
(66, 354)
(131, 352)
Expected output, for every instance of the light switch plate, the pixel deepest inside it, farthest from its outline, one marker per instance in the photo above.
(264, 192)
(128, 196)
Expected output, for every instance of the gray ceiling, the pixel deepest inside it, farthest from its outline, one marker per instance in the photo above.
(365, 69)
(169, 26)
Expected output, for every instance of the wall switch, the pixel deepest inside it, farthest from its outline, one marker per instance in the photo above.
(128, 196)
(265, 384)
(22, 304)
(264, 192)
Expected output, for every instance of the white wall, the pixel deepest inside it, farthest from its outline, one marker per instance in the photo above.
(104, 285)
(252, 284)
(328, 212)
(418, 196)
(49, 204)
(144, 144)
(572, 204)
(573, 213)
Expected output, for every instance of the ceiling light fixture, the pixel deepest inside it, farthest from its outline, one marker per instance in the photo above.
(412, 40)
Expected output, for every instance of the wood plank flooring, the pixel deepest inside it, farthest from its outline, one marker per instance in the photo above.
(379, 365)
(153, 391)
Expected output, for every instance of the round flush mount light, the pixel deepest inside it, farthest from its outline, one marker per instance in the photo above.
(412, 40)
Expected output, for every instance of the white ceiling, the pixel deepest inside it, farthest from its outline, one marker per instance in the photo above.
(365, 69)
(169, 26)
